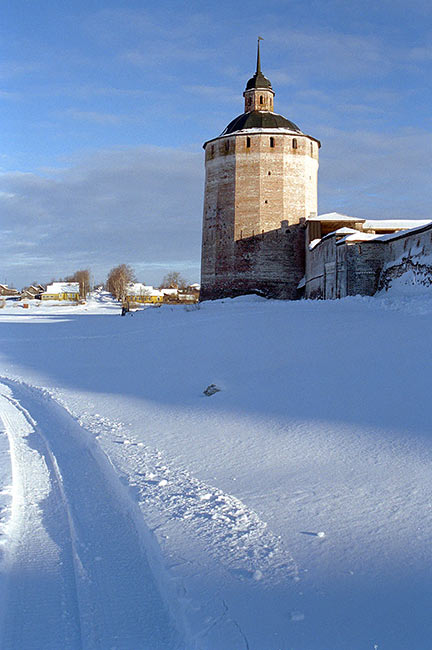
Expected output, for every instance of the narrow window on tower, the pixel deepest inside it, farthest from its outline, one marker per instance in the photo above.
(248, 142)
(294, 143)
(227, 145)
(272, 142)
(261, 99)
(311, 148)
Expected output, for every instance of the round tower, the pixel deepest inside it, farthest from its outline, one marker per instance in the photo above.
(261, 185)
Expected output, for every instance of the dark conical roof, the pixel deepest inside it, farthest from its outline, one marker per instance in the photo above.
(258, 80)
(260, 120)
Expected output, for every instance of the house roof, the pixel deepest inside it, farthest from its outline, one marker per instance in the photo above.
(139, 289)
(63, 287)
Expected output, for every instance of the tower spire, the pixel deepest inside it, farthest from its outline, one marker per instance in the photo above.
(258, 68)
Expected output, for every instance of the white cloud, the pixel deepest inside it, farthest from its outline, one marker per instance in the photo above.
(375, 174)
(138, 206)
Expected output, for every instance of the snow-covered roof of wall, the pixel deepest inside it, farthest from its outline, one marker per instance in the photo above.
(358, 236)
(340, 231)
(405, 233)
(345, 231)
(334, 216)
(63, 287)
(388, 224)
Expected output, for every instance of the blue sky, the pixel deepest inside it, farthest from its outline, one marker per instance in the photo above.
(105, 106)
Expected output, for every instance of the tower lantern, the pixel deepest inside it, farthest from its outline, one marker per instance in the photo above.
(258, 93)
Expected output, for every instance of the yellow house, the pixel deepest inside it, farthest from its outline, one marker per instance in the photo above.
(143, 294)
(62, 291)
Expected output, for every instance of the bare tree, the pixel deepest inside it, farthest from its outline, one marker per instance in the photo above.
(118, 279)
(83, 277)
(174, 280)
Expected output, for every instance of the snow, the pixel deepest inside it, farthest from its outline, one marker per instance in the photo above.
(358, 237)
(334, 216)
(63, 287)
(314, 243)
(290, 510)
(401, 224)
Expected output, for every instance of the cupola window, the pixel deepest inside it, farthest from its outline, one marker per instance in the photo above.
(272, 142)
(248, 142)
(294, 143)
(261, 99)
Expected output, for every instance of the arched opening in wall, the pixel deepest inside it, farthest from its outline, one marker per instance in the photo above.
(212, 149)
(311, 148)
(294, 143)
(249, 101)
(269, 173)
(272, 142)
(261, 99)
(248, 142)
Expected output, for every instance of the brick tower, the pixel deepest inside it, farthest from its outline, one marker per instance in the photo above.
(261, 184)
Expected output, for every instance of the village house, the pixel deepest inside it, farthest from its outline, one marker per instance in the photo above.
(62, 291)
(8, 291)
(170, 294)
(136, 292)
(32, 292)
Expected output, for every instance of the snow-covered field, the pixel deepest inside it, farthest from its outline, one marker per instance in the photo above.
(291, 510)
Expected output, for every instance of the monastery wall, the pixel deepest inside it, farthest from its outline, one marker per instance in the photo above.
(363, 268)
(408, 258)
(338, 270)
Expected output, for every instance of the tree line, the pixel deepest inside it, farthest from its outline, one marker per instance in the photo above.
(118, 280)
(121, 276)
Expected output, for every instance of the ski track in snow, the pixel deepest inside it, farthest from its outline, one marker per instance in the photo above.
(231, 532)
(75, 564)
(57, 494)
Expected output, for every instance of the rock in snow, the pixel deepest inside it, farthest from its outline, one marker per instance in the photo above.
(211, 390)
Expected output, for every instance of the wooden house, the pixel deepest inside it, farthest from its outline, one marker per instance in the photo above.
(62, 291)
